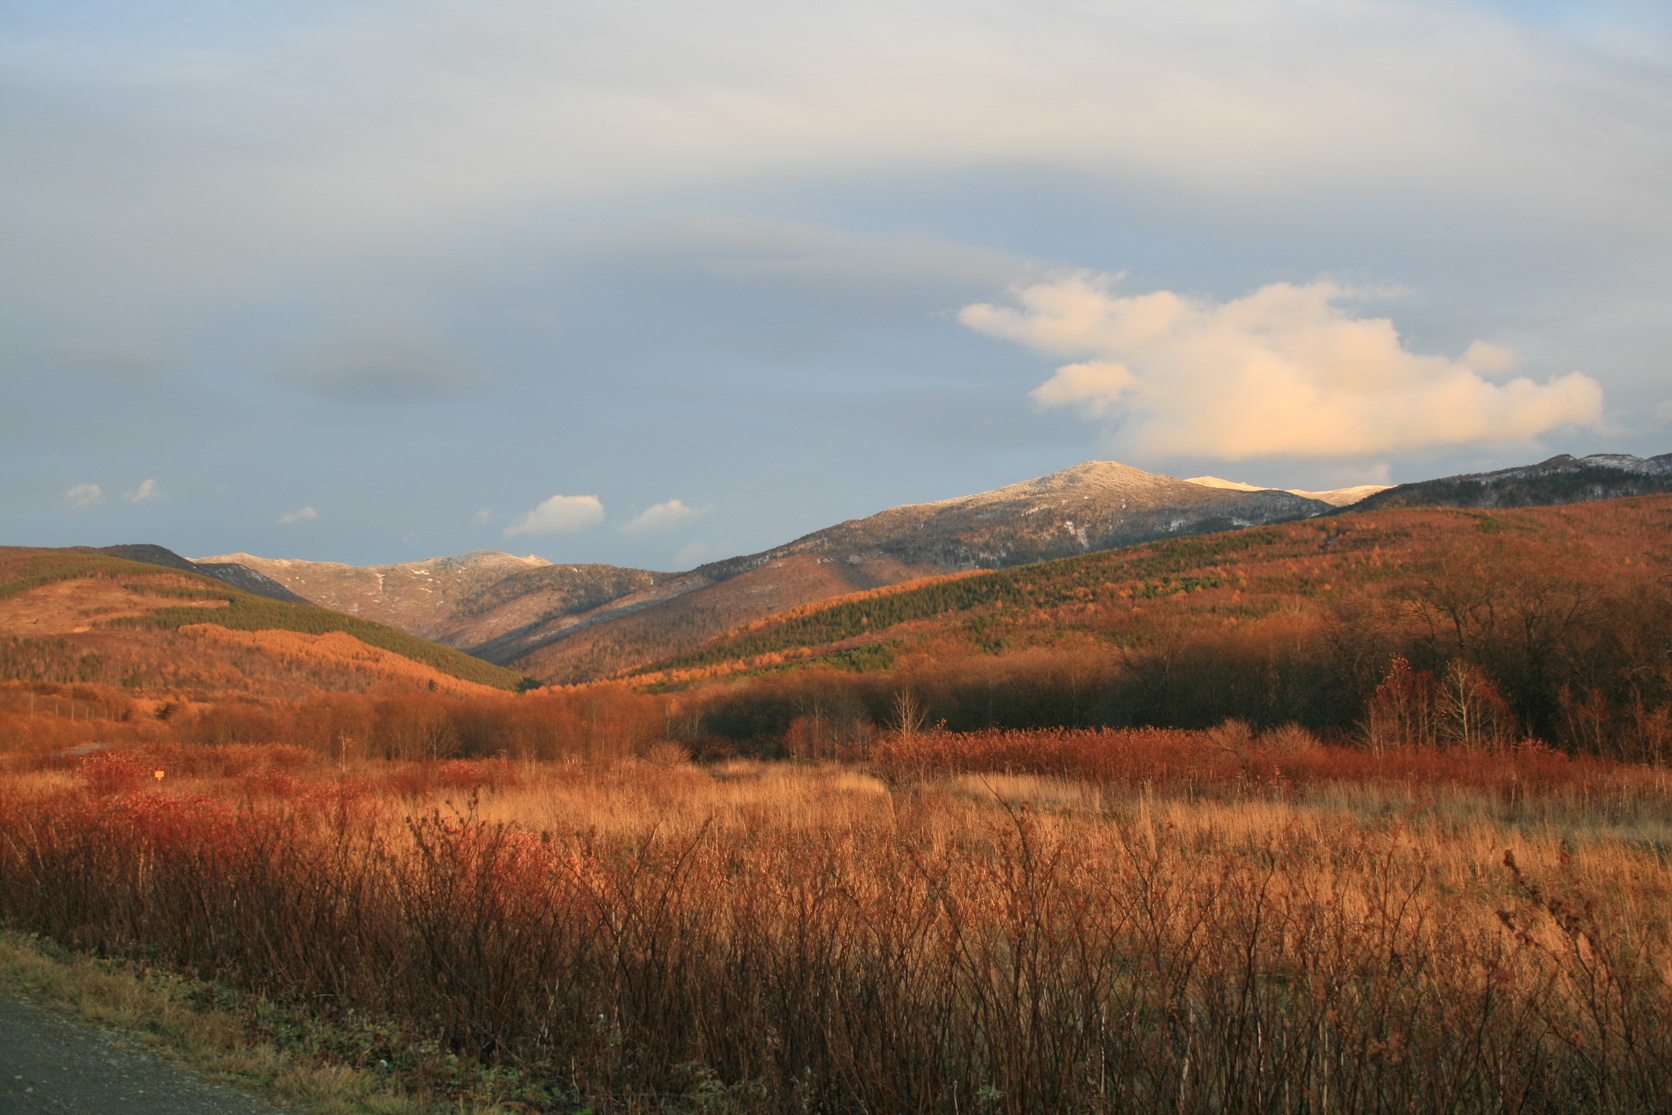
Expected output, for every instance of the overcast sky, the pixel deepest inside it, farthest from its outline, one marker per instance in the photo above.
(651, 283)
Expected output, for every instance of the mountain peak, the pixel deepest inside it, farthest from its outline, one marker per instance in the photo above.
(1084, 479)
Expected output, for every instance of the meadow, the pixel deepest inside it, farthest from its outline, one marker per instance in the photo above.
(1000, 921)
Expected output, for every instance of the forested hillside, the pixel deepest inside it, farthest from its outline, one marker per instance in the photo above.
(83, 616)
(1550, 622)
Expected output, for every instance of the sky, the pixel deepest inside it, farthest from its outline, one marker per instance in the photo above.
(653, 283)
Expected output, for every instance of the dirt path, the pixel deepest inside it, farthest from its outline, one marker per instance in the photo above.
(51, 1065)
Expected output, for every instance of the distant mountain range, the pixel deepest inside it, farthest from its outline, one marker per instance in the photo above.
(1561, 479)
(572, 623)
(464, 601)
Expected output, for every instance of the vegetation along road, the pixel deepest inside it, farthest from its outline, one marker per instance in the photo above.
(54, 1066)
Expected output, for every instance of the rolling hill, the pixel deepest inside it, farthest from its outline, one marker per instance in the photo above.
(1089, 507)
(1550, 619)
(238, 576)
(81, 615)
(574, 623)
(466, 601)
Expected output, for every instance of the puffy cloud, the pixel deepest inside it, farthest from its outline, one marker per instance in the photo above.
(299, 515)
(147, 490)
(664, 516)
(83, 495)
(1283, 371)
(559, 515)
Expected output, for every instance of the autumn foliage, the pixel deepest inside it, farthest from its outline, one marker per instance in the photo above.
(1441, 628)
(1206, 922)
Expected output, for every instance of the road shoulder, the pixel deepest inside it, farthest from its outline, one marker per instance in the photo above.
(59, 1066)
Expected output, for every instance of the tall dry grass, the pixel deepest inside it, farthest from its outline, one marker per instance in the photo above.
(774, 938)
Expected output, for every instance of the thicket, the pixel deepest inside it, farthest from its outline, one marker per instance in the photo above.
(814, 948)
(595, 723)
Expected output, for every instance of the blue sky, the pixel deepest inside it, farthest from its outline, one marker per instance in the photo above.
(373, 282)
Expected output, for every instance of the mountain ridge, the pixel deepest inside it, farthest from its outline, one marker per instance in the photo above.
(1555, 480)
(1091, 506)
(572, 623)
(230, 572)
(463, 600)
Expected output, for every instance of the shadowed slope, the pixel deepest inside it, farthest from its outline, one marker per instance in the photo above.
(1561, 479)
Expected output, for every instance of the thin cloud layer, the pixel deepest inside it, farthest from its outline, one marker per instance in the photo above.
(559, 515)
(453, 245)
(147, 490)
(301, 514)
(664, 516)
(1285, 371)
(388, 365)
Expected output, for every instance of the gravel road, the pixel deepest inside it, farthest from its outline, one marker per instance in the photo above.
(51, 1065)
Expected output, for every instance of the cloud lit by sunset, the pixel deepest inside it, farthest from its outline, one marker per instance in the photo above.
(1285, 370)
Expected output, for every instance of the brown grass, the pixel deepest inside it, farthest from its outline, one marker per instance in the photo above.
(1398, 936)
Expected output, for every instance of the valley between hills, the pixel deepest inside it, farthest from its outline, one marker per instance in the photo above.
(1102, 792)
(566, 624)
(1112, 567)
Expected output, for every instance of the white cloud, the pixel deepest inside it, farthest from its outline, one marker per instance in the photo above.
(83, 495)
(147, 490)
(1282, 371)
(664, 516)
(300, 514)
(483, 514)
(559, 515)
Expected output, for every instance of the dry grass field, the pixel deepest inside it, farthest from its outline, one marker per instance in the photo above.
(1005, 922)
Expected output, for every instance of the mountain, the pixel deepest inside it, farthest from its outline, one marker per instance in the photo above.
(1098, 505)
(464, 601)
(1336, 497)
(1561, 479)
(568, 623)
(1548, 620)
(82, 616)
(238, 576)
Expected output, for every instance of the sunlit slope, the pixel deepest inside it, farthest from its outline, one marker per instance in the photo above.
(467, 601)
(1271, 579)
(1089, 507)
(79, 615)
